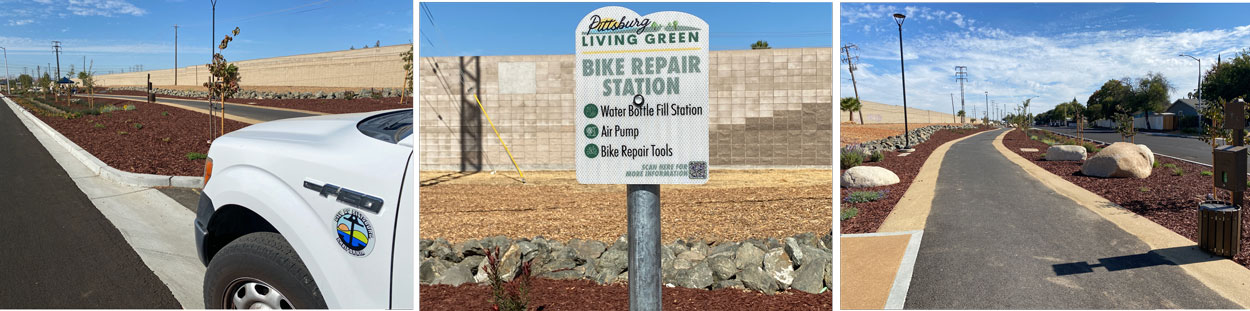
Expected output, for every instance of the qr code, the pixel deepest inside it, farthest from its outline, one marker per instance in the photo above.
(698, 170)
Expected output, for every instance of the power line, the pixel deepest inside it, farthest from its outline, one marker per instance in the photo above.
(961, 75)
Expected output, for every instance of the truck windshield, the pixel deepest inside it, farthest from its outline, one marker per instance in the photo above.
(390, 127)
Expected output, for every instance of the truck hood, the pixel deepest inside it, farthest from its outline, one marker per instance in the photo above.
(305, 129)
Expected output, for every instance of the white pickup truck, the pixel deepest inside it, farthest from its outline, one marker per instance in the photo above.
(310, 213)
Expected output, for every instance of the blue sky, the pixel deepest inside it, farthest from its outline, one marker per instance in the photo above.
(1056, 51)
(119, 34)
(547, 28)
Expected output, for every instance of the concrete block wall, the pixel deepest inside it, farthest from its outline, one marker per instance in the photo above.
(379, 67)
(768, 108)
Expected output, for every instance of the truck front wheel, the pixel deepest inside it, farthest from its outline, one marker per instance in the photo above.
(260, 270)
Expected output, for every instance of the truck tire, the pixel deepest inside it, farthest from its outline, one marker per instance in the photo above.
(260, 269)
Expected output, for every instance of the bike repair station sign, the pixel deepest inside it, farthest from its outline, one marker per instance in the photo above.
(642, 98)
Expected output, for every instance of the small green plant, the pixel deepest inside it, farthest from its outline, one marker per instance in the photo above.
(196, 156)
(852, 156)
(137, 126)
(511, 295)
(1178, 172)
(164, 113)
(99, 126)
(349, 95)
(877, 156)
(1168, 165)
(865, 196)
(1206, 173)
(122, 133)
(1144, 189)
(1155, 164)
(166, 139)
(375, 94)
(849, 213)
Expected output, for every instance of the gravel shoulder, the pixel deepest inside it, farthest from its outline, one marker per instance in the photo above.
(734, 205)
(858, 133)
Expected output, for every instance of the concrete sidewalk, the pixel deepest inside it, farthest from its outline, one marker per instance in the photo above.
(996, 238)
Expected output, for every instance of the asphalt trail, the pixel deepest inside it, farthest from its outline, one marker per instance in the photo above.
(998, 239)
(1181, 147)
(60, 252)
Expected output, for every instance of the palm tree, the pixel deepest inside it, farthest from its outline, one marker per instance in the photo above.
(850, 105)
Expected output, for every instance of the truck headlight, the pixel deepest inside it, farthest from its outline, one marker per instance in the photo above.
(208, 170)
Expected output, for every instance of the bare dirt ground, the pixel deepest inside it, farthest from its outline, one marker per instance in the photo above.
(856, 133)
(734, 205)
(197, 87)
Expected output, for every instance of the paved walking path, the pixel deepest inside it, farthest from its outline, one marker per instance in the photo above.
(250, 114)
(996, 238)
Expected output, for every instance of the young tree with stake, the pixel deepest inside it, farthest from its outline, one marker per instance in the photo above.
(226, 78)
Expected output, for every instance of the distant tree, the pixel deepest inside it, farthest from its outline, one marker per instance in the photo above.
(760, 45)
(1228, 80)
(960, 114)
(25, 81)
(88, 83)
(850, 105)
(1110, 97)
(377, 44)
(1150, 95)
(353, 47)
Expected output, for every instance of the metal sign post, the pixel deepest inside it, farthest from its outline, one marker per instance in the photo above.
(642, 120)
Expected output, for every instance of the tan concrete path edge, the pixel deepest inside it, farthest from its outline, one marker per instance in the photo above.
(1225, 277)
(912, 210)
(200, 110)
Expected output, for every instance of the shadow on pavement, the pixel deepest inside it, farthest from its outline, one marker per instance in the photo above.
(1174, 256)
(445, 178)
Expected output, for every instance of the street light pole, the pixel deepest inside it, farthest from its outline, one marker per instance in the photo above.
(987, 107)
(8, 79)
(898, 19)
(175, 54)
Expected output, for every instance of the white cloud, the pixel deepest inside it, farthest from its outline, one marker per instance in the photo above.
(104, 8)
(1013, 66)
(20, 22)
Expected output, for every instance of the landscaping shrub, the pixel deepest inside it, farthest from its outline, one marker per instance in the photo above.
(349, 95)
(1178, 172)
(99, 126)
(865, 196)
(196, 156)
(1169, 165)
(877, 156)
(1206, 173)
(1144, 189)
(1155, 165)
(849, 213)
(852, 156)
(511, 295)
(138, 126)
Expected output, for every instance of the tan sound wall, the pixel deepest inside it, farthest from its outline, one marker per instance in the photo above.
(379, 67)
(768, 108)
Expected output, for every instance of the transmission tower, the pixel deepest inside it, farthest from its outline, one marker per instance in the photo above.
(850, 60)
(961, 75)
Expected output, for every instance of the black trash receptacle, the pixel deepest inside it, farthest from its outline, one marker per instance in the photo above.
(1219, 228)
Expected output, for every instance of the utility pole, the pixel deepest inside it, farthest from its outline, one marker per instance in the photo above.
(953, 108)
(212, 56)
(850, 66)
(987, 105)
(961, 75)
(175, 54)
(8, 79)
(56, 46)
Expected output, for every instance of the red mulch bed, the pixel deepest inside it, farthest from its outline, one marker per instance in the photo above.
(872, 214)
(551, 295)
(142, 150)
(360, 104)
(1171, 201)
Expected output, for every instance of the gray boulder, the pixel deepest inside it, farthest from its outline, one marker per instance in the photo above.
(699, 276)
(778, 265)
(587, 249)
(455, 276)
(748, 256)
(809, 279)
(722, 265)
(1119, 160)
(611, 264)
(1065, 153)
(754, 278)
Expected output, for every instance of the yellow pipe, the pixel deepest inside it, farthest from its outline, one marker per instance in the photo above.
(505, 145)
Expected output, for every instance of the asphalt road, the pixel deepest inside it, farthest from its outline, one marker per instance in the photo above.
(998, 239)
(1185, 148)
(62, 252)
(246, 111)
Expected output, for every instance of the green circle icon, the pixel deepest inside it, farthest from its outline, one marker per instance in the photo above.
(590, 110)
(591, 131)
(592, 151)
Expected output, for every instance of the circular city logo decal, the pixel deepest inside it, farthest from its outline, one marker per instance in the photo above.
(354, 232)
(590, 110)
(591, 131)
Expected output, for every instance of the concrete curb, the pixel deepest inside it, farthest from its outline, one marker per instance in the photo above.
(99, 167)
